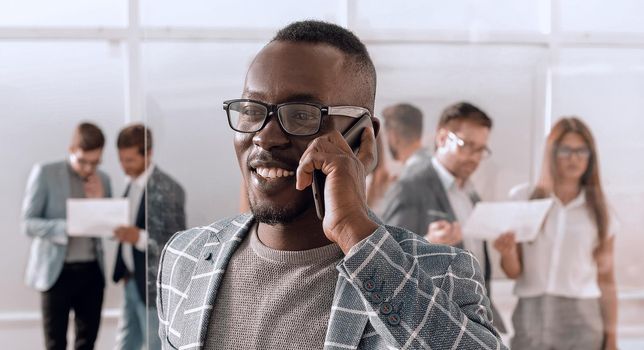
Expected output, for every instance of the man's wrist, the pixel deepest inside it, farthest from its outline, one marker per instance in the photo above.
(355, 231)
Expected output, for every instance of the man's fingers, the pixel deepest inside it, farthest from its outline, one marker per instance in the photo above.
(367, 152)
(320, 153)
(308, 164)
(439, 224)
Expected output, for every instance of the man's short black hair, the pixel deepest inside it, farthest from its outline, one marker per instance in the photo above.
(459, 112)
(405, 120)
(319, 32)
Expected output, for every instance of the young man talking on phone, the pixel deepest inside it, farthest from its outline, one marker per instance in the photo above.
(279, 277)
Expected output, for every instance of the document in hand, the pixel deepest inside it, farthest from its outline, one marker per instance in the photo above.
(96, 217)
(490, 219)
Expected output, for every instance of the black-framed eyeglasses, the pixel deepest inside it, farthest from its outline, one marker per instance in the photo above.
(295, 118)
(469, 148)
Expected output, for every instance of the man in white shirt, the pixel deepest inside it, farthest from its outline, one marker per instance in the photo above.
(434, 194)
(164, 200)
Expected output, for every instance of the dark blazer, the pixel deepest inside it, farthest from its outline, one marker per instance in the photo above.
(165, 201)
(418, 198)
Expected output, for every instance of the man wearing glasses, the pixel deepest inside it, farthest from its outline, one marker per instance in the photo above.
(68, 271)
(434, 194)
(281, 278)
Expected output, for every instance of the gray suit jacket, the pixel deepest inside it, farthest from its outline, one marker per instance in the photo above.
(418, 198)
(161, 212)
(166, 201)
(43, 219)
(394, 290)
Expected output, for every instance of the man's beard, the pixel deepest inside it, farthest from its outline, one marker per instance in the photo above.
(273, 215)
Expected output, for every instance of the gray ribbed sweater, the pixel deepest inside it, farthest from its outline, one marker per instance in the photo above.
(271, 299)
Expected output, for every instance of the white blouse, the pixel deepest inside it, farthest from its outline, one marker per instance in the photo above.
(560, 260)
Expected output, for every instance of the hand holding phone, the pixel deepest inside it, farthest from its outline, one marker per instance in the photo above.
(352, 136)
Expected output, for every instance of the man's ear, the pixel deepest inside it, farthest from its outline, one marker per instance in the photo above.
(441, 137)
(376, 126)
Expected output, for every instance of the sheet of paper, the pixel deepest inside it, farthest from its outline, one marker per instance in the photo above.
(490, 219)
(96, 217)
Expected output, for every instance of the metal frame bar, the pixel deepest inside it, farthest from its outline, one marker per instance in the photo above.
(135, 30)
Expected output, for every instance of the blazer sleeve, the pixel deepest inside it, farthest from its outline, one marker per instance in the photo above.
(402, 209)
(416, 308)
(34, 223)
(169, 218)
(178, 220)
(162, 297)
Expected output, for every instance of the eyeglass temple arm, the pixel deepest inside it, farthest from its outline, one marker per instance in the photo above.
(349, 111)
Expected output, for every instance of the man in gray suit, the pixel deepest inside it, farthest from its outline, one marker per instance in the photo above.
(281, 278)
(434, 195)
(68, 271)
(149, 188)
(404, 129)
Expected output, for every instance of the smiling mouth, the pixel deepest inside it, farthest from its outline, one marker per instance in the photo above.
(273, 173)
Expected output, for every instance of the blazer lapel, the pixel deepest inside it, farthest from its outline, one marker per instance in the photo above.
(206, 277)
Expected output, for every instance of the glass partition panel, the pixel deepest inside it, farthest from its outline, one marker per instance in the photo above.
(46, 90)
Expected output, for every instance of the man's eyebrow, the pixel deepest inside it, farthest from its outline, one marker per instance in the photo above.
(301, 97)
(297, 97)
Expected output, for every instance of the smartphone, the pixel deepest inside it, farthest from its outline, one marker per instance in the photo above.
(352, 136)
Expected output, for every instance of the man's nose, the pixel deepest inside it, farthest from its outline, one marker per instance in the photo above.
(272, 135)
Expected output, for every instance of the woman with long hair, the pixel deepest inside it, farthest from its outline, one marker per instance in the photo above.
(565, 278)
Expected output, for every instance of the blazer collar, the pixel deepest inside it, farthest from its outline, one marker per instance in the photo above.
(213, 258)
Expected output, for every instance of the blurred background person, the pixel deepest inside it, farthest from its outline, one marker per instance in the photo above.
(152, 189)
(434, 194)
(379, 180)
(68, 271)
(565, 278)
(404, 130)
(403, 125)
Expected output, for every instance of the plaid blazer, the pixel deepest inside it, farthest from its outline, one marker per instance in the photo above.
(394, 290)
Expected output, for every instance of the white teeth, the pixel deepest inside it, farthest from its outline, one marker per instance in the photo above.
(273, 173)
